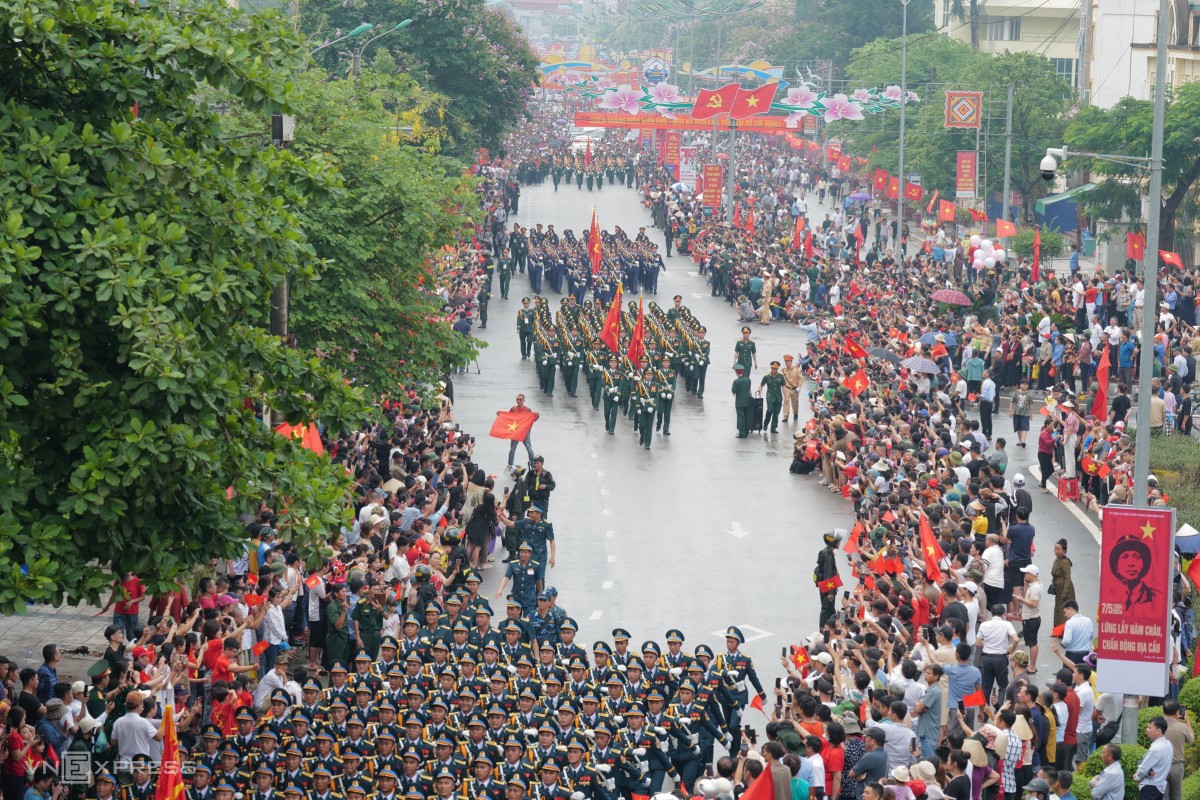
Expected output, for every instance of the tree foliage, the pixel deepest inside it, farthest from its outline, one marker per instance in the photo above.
(470, 52)
(1126, 129)
(137, 260)
(372, 312)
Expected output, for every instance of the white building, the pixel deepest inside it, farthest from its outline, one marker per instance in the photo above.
(1047, 27)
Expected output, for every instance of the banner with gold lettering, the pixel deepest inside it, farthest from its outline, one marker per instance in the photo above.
(1133, 640)
(712, 185)
(966, 167)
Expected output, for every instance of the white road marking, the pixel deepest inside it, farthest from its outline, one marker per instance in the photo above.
(599, 473)
(1075, 510)
(597, 614)
(606, 585)
(738, 531)
(606, 512)
(698, 295)
(610, 534)
(612, 559)
(751, 633)
(595, 456)
(694, 274)
(604, 493)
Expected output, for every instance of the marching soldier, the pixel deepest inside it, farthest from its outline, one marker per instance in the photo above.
(745, 352)
(740, 669)
(773, 382)
(666, 394)
(647, 400)
(525, 325)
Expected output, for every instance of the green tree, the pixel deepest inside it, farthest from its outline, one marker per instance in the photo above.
(470, 52)
(372, 311)
(967, 10)
(137, 260)
(1126, 129)
(838, 27)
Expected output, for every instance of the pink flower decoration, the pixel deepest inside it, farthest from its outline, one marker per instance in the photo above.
(842, 107)
(912, 97)
(623, 99)
(862, 95)
(800, 96)
(892, 93)
(571, 76)
(665, 93)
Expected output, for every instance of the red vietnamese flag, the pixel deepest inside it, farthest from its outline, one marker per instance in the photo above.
(750, 222)
(857, 383)
(855, 291)
(931, 551)
(893, 188)
(514, 425)
(610, 334)
(595, 252)
(637, 344)
(763, 787)
(853, 348)
(1135, 248)
(313, 581)
(913, 192)
(800, 657)
(1035, 273)
(259, 649)
(1100, 403)
(888, 517)
(851, 545)
(1004, 229)
(798, 232)
(1058, 630)
(750, 102)
(710, 102)
(843, 163)
(170, 774)
(808, 245)
(829, 584)
(881, 180)
(977, 216)
(932, 200)
(945, 211)
(974, 699)
(737, 216)
(756, 702)
(1170, 258)
(587, 154)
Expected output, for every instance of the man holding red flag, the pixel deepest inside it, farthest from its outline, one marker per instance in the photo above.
(826, 576)
(637, 342)
(595, 253)
(515, 425)
(610, 334)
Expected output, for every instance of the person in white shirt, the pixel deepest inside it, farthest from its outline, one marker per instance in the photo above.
(276, 678)
(1081, 677)
(993, 569)
(1031, 613)
(968, 597)
(996, 641)
(1110, 783)
(133, 734)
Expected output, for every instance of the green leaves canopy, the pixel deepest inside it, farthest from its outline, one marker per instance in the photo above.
(136, 260)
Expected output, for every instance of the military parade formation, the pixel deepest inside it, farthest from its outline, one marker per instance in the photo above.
(452, 708)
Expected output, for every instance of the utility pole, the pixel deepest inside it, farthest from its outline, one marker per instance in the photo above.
(903, 105)
(730, 167)
(1085, 53)
(1007, 155)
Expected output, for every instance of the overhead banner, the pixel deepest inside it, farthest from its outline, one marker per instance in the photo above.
(671, 148)
(1133, 642)
(712, 185)
(964, 110)
(597, 119)
(964, 174)
(689, 165)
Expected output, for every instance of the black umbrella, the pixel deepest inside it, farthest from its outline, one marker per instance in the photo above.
(884, 353)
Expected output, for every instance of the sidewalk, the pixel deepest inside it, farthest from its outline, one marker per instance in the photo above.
(69, 627)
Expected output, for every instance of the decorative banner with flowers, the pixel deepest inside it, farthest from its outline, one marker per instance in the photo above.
(666, 100)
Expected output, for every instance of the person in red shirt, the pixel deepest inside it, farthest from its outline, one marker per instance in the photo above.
(1065, 754)
(224, 709)
(126, 602)
(226, 666)
(833, 756)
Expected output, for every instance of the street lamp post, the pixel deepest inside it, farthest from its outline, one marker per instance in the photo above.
(357, 69)
(903, 105)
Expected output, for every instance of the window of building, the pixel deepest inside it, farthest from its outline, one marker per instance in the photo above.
(1065, 68)
(945, 13)
(1005, 29)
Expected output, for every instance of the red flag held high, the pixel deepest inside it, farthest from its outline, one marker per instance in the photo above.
(514, 425)
(977, 215)
(1193, 571)
(610, 334)
(932, 200)
(737, 216)
(595, 253)
(756, 702)
(881, 180)
(800, 657)
(1004, 228)
(913, 192)
(857, 383)
(974, 699)
(808, 245)
(170, 774)
(587, 154)
(637, 344)
(893, 188)
(945, 211)
(1170, 258)
(750, 222)
(750, 102)
(710, 102)
(853, 349)
(931, 551)
(1100, 403)
(843, 163)
(1036, 273)
(1135, 248)
(851, 545)
(798, 232)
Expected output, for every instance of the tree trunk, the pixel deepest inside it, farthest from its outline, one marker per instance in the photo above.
(975, 25)
(1166, 220)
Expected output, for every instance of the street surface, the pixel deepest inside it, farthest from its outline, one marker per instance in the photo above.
(704, 530)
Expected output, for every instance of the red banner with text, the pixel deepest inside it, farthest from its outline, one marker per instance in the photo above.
(712, 185)
(1135, 585)
(596, 119)
(964, 175)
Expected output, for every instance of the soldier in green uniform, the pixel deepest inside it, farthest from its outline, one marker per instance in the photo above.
(525, 319)
(773, 381)
(676, 311)
(570, 365)
(745, 352)
(647, 399)
(610, 383)
(701, 359)
(626, 384)
(556, 172)
(548, 362)
(595, 373)
(579, 178)
(505, 270)
(741, 401)
(666, 396)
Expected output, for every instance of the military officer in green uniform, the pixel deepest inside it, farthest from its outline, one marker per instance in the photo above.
(741, 401)
(569, 359)
(505, 270)
(579, 179)
(676, 311)
(647, 399)
(610, 384)
(773, 381)
(525, 319)
(595, 373)
(666, 396)
(745, 352)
